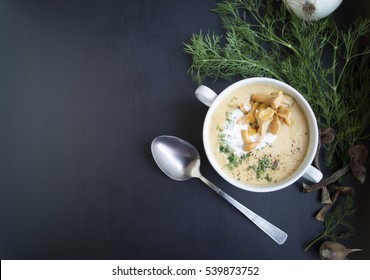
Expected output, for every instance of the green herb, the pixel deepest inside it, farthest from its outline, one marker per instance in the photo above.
(232, 104)
(264, 163)
(337, 224)
(245, 156)
(268, 178)
(228, 118)
(275, 165)
(233, 159)
(223, 146)
(224, 149)
(319, 59)
(263, 166)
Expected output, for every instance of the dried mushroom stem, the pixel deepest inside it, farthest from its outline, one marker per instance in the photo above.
(342, 189)
(338, 190)
(325, 195)
(321, 215)
(317, 155)
(327, 181)
(326, 136)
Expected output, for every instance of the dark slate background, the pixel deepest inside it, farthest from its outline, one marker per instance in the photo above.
(85, 85)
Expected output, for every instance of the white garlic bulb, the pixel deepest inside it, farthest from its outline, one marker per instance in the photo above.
(310, 10)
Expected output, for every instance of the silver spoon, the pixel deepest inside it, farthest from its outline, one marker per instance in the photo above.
(180, 161)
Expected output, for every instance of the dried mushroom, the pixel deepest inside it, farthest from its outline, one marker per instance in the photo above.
(248, 143)
(287, 101)
(284, 113)
(359, 153)
(325, 196)
(246, 119)
(266, 115)
(327, 135)
(342, 189)
(338, 190)
(264, 118)
(250, 146)
(252, 130)
(274, 99)
(321, 215)
(274, 126)
(358, 156)
(242, 108)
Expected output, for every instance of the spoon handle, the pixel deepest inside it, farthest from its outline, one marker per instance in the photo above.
(275, 233)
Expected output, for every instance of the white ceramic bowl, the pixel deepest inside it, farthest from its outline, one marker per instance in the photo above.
(211, 99)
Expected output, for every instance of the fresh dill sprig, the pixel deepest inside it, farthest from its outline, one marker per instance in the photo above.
(320, 60)
(337, 224)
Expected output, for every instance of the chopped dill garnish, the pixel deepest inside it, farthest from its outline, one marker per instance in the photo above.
(268, 178)
(275, 164)
(245, 156)
(228, 118)
(233, 159)
(224, 149)
(232, 104)
(264, 163)
(263, 166)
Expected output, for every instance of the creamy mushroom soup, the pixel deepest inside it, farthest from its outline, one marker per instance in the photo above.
(259, 135)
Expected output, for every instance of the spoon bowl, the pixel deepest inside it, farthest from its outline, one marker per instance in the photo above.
(177, 158)
(180, 161)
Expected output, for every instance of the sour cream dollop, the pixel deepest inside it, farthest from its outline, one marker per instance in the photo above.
(232, 134)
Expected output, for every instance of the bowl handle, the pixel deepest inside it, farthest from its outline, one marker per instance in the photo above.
(205, 95)
(313, 174)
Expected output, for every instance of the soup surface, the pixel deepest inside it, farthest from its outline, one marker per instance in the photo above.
(275, 156)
